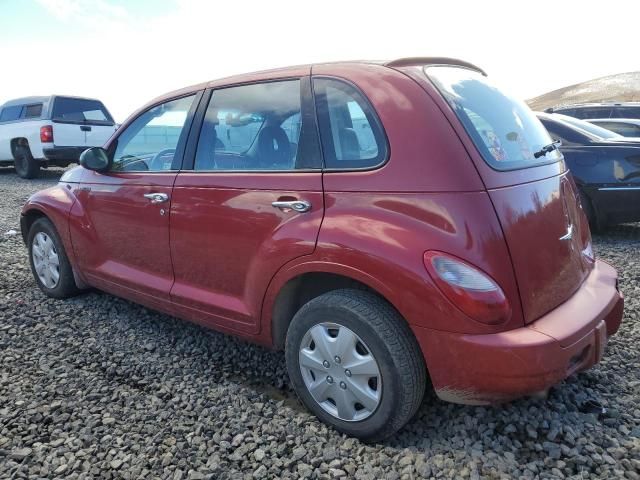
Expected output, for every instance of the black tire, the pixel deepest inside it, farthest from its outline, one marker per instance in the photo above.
(390, 341)
(595, 222)
(26, 166)
(66, 286)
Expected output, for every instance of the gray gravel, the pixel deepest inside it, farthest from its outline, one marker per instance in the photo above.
(100, 387)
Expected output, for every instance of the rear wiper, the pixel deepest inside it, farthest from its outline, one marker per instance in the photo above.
(548, 148)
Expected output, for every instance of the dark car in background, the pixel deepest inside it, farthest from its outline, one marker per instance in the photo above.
(605, 166)
(627, 127)
(599, 110)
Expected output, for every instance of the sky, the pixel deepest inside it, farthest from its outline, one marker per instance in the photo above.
(126, 52)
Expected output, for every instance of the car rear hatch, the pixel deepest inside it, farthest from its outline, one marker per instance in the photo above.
(80, 122)
(534, 196)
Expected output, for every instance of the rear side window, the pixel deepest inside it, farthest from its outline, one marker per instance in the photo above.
(627, 112)
(80, 110)
(33, 111)
(10, 113)
(624, 129)
(503, 128)
(252, 127)
(594, 112)
(350, 132)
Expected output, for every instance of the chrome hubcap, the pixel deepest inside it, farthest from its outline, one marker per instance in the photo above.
(45, 260)
(340, 372)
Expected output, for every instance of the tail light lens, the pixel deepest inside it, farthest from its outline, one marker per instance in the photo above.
(468, 288)
(46, 134)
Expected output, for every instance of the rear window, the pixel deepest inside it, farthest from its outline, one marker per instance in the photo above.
(503, 128)
(80, 110)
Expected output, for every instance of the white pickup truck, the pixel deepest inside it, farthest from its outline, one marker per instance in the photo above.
(53, 130)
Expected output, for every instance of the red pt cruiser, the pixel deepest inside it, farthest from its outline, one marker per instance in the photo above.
(383, 223)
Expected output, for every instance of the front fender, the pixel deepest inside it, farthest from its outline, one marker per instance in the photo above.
(55, 203)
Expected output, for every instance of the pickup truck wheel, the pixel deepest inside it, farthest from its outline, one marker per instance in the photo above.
(49, 262)
(354, 362)
(26, 166)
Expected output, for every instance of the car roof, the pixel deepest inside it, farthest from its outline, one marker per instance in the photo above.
(27, 100)
(635, 121)
(598, 104)
(302, 70)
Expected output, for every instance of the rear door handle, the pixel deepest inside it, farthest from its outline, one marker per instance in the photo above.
(85, 128)
(157, 197)
(297, 205)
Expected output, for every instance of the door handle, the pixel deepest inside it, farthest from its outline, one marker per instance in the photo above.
(297, 205)
(85, 128)
(157, 197)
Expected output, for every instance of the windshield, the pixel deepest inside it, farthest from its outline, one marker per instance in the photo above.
(503, 128)
(589, 127)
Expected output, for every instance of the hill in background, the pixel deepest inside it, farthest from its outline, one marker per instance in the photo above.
(622, 87)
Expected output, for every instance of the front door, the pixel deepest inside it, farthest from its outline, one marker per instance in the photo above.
(122, 228)
(252, 202)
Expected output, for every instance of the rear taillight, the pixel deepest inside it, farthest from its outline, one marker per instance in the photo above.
(46, 134)
(468, 288)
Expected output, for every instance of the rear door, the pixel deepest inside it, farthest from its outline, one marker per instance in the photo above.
(532, 193)
(79, 122)
(251, 202)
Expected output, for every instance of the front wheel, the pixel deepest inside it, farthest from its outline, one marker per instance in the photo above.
(26, 166)
(49, 263)
(355, 364)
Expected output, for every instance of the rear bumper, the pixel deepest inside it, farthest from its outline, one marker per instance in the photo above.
(484, 369)
(65, 154)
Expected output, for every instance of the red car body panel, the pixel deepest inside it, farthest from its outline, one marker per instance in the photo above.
(222, 255)
(227, 241)
(480, 369)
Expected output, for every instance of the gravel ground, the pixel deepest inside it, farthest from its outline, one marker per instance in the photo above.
(99, 387)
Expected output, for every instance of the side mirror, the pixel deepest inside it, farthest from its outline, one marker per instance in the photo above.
(95, 158)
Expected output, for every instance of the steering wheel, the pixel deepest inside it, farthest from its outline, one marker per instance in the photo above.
(156, 162)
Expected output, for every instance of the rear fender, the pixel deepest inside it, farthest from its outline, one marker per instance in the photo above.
(379, 240)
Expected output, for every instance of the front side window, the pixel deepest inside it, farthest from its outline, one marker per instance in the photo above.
(350, 132)
(10, 113)
(503, 128)
(252, 127)
(80, 110)
(150, 142)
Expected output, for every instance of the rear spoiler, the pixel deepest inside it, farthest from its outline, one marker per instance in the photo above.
(432, 61)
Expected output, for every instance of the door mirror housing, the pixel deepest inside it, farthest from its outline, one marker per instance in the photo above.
(96, 159)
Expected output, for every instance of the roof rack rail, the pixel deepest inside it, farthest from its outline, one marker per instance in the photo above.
(405, 62)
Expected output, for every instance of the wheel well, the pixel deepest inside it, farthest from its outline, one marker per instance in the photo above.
(29, 219)
(18, 142)
(298, 291)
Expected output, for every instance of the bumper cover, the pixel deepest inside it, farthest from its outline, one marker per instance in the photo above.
(70, 154)
(485, 369)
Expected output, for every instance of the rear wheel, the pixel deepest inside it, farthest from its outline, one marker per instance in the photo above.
(49, 263)
(355, 364)
(26, 166)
